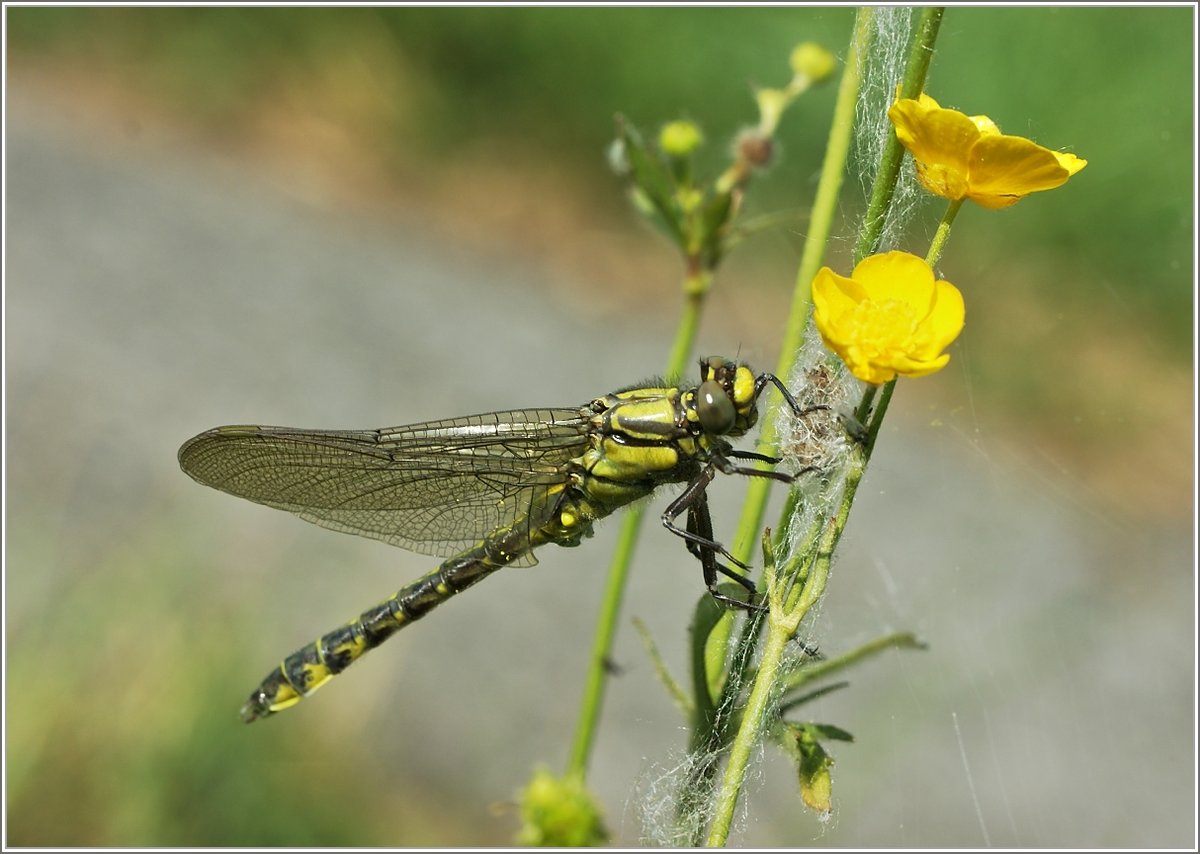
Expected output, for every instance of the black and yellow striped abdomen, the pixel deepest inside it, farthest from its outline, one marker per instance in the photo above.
(487, 489)
(310, 667)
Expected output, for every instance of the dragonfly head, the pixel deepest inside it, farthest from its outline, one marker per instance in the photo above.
(726, 402)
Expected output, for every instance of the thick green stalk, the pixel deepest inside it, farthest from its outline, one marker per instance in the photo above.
(699, 785)
(695, 288)
(833, 171)
(787, 612)
(812, 570)
(755, 716)
(884, 187)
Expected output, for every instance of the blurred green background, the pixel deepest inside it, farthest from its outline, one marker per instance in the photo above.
(136, 622)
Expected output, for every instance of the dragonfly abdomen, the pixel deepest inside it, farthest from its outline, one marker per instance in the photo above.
(310, 667)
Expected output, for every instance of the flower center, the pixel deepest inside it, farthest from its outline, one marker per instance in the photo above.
(883, 327)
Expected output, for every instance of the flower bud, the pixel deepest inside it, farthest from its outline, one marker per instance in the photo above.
(812, 62)
(680, 138)
(755, 149)
(559, 812)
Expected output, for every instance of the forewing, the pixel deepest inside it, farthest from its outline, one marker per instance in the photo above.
(434, 488)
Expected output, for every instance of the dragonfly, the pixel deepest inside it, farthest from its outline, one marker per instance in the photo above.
(485, 491)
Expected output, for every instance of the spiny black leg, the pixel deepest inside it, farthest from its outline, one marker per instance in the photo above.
(721, 461)
(700, 523)
(761, 382)
(690, 497)
(736, 454)
(850, 424)
(696, 549)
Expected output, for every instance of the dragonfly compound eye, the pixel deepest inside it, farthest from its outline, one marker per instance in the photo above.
(714, 408)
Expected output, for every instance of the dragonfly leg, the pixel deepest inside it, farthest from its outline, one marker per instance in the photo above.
(854, 429)
(700, 542)
(736, 454)
(700, 523)
(793, 404)
(691, 496)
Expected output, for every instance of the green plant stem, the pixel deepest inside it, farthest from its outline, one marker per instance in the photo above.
(695, 288)
(884, 187)
(824, 207)
(754, 717)
(943, 232)
(827, 667)
(701, 778)
(815, 576)
(833, 171)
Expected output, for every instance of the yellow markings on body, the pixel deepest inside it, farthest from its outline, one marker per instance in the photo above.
(285, 698)
(352, 648)
(630, 462)
(638, 393)
(568, 519)
(443, 589)
(743, 387)
(397, 613)
(315, 675)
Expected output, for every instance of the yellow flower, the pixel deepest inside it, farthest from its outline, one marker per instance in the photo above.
(960, 156)
(890, 317)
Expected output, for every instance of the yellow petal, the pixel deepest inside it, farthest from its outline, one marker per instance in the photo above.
(943, 324)
(925, 101)
(833, 294)
(897, 276)
(948, 315)
(1006, 168)
(862, 367)
(985, 125)
(916, 368)
(1070, 162)
(940, 142)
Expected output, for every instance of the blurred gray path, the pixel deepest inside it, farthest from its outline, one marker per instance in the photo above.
(153, 293)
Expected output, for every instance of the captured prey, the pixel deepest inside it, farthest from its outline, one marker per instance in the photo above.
(485, 491)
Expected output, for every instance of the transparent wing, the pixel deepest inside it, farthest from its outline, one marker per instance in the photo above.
(435, 488)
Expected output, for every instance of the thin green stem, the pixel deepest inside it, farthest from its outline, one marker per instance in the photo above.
(812, 566)
(884, 187)
(827, 667)
(695, 289)
(743, 746)
(943, 232)
(877, 416)
(824, 208)
(681, 698)
(833, 169)
(606, 623)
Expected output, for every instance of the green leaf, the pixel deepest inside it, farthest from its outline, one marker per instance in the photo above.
(708, 658)
(830, 731)
(704, 687)
(714, 227)
(810, 696)
(652, 179)
(813, 762)
(816, 783)
(816, 670)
